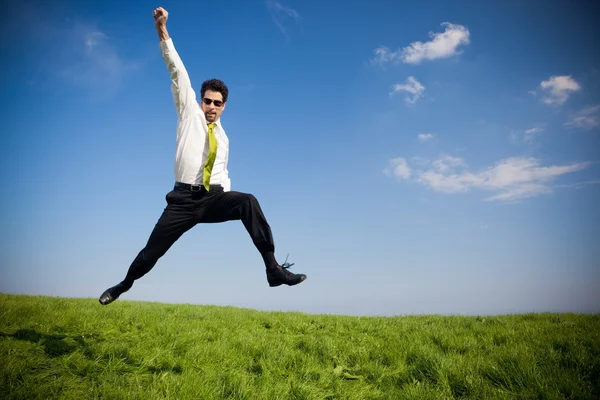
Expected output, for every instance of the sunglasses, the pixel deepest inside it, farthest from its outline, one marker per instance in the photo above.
(218, 103)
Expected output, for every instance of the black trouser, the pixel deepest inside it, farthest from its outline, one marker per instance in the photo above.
(186, 208)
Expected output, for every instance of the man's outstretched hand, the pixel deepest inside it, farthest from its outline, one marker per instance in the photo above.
(160, 17)
(160, 22)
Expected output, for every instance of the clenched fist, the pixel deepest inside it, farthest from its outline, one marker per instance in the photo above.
(160, 16)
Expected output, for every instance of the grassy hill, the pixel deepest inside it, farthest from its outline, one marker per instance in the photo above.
(54, 348)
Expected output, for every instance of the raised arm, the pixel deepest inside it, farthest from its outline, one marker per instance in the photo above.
(183, 94)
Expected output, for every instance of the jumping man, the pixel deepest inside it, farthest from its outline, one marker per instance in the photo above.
(202, 186)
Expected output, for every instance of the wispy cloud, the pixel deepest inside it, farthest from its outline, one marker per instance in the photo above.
(528, 135)
(442, 45)
(411, 86)
(90, 60)
(398, 167)
(425, 136)
(510, 180)
(70, 50)
(586, 118)
(533, 131)
(447, 163)
(280, 14)
(580, 185)
(557, 89)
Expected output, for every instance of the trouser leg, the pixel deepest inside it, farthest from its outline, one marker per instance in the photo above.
(175, 220)
(229, 206)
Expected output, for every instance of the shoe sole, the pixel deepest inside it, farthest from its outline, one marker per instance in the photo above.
(290, 284)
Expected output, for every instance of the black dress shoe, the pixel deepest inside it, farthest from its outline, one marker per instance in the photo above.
(280, 275)
(113, 293)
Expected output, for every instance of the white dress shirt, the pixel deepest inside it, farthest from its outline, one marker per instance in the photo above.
(192, 129)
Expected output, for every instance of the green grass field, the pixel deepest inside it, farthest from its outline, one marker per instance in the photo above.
(53, 348)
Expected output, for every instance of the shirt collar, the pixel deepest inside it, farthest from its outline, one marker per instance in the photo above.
(218, 123)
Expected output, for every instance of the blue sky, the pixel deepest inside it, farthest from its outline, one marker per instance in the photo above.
(411, 157)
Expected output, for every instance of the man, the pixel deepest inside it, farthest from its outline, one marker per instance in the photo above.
(202, 186)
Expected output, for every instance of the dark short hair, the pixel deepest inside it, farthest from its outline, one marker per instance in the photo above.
(215, 85)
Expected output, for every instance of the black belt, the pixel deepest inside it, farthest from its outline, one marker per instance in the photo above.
(197, 188)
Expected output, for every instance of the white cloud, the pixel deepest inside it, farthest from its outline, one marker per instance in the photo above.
(442, 45)
(446, 162)
(558, 89)
(533, 131)
(411, 86)
(587, 118)
(425, 136)
(522, 191)
(529, 134)
(511, 179)
(279, 15)
(399, 168)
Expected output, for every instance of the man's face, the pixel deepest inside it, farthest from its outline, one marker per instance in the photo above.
(212, 111)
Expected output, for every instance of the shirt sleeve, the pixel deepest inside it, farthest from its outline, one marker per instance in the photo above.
(181, 87)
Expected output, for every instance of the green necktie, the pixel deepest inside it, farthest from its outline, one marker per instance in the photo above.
(212, 155)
